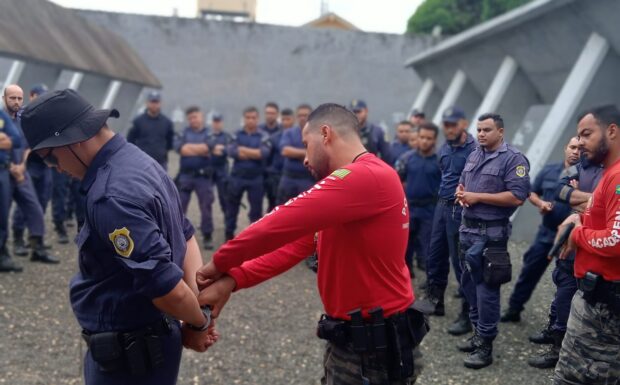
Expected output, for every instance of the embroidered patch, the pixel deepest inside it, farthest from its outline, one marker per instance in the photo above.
(618, 189)
(520, 171)
(123, 244)
(341, 173)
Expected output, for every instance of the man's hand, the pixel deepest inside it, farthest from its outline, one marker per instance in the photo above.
(569, 246)
(218, 149)
(206, 275)
(199, 341)
(574, 183)
(545, 207)
(18, 172)
(466, 198)
(217, 294)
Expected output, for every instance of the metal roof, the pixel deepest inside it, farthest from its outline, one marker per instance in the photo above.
(38, 30)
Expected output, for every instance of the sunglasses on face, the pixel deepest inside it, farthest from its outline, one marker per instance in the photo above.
(49, 159)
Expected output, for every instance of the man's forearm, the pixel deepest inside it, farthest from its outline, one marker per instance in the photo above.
(193, 262)
(578, 197)
(5, 142)
(182, 304)
(535, 199)
(249, 153)
(194, 149)
(502, 199)
(292, 152)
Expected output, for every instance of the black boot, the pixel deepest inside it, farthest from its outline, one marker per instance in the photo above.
(550, 357)
(61, 233)
(543, 337)
(19, 246)
(470, 344)
(207, 242)
(432, 301)
(482, 356)
(511, 315)
(461, 325)
(39, 254)
(7, 263)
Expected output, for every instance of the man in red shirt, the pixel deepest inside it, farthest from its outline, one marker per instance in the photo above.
(356, 217)
(590, 351)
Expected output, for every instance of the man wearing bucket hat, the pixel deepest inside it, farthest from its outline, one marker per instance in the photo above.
(137, 252)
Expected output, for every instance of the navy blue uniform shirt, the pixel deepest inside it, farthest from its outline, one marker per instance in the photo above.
(422, 177)
(272, 155)
(397, 149)
(452, 160)
(545, 185)
(587, 175)
(277, 160)
(292, 138)
(373, 138)
(255, 140)
(505, 169)
(133, 242)
(192, 136)
(7, 127)
(153, 135)
(213, 139)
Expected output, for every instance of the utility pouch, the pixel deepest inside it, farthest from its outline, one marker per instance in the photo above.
(106, 350)
(496, 269)
(135, 349)
(332, 330)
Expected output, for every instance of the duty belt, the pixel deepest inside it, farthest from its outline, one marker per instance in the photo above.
(206, 172)
(246, 174)
(447, 202)
(479, 223)
(598, 290)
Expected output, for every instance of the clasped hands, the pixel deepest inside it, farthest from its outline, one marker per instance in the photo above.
(465, 198)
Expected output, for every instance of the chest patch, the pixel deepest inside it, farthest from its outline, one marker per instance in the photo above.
(123, 244)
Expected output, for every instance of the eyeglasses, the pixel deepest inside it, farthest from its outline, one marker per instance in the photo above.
(50, 160)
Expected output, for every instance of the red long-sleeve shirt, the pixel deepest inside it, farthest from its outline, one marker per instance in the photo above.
(361, 216)
(598, 240)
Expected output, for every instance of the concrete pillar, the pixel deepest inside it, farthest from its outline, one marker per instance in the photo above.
(15, 72)
(110, 95)
(423, 95)
(451, 95)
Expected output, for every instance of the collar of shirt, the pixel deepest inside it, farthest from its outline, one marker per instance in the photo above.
(100, 159)
(486, 155)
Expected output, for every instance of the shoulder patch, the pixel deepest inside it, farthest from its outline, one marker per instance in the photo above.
(341, 173)
(618, 189)
(521, 171)
(123, 244)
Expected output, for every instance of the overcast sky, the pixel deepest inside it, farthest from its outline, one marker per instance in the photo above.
(369, 15)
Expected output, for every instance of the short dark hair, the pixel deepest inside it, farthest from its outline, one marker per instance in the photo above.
(497, 119)
(429, 127)
(272, 105)
(405, 123)
(604, 115)
(337, 116)
(250, 109)
(287, 112)
(191, 110)
(304, 106)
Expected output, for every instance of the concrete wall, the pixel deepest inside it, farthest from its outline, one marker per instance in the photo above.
(227, 66)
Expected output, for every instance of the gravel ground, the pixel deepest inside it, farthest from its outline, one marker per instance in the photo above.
(267, 332)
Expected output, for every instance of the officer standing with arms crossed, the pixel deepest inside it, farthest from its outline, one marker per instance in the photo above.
(218, 140)
(9, 137)
(249, 149)
(373, 137)
(138, 255)
(196, 171)
(443, 248)
(362, 277)
(400, 145)
(271, 127)
(591, 346)
(553, 213)
(419, 170)
(494, 183)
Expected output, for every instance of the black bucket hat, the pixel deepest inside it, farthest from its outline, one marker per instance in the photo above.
(61, 118)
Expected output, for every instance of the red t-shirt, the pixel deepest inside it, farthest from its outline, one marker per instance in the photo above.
(598, 240)
(361, 219)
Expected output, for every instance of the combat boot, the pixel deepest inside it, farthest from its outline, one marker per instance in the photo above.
(543, 337)
(207, 242)
(432, 302)
(470, 344)
(61, 232)
(550, 357)
(7, 263)
(19, 246)
(39, 254)
(482, 356)
(461, 325)
(511, 315)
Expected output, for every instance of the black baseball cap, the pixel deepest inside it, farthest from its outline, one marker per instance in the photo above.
(453, 114)
(61, 118)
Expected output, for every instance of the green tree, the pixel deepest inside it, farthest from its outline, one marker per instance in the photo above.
(455, 16)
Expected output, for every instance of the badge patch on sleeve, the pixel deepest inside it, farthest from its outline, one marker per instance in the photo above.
(123, 244)
(618, 189)
(341, 173)
(521, 171)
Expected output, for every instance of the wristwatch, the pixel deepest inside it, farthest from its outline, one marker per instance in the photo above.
(206, 310)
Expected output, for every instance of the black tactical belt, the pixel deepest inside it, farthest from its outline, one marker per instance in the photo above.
(447, 202)
(246, 174)
(198, 172)
(479, 223)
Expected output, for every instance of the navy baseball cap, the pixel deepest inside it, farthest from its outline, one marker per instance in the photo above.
(61, 118)
(417, 112)
(217, 117)
(153, 96)
(453, 114)
(38, 89)
(358, 104)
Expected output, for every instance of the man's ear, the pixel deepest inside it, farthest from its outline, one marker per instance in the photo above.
(612, 131)
(326, 132)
